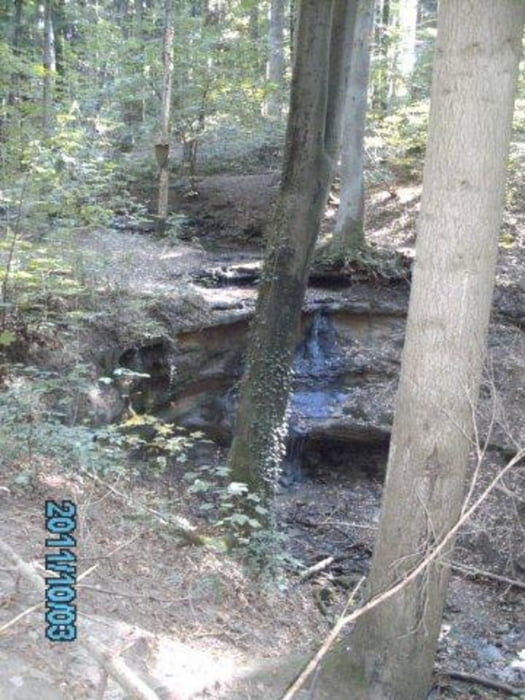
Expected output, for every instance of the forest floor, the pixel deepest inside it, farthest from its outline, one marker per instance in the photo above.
(191, 618)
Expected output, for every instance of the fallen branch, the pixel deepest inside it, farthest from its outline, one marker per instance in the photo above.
(178, 524)
(473, 572)
(325, 563)
(120, 671)
(115, 667)
(30, 572)
(316, 568)
(386, 595)
(481, 680)
(19, 617)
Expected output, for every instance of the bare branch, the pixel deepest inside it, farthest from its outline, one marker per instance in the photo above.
(385, 595)
(481, 680)
(473, 572)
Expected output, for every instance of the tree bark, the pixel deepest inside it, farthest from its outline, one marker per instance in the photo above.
(341, 41)
(475, 74)
(348, 235)
(162, 147)
(260, 431)
(275, 72)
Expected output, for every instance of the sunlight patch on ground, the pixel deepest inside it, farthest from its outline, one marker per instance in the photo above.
(227, 297)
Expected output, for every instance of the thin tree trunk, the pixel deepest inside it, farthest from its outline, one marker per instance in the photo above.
(349, 227)
(392, 47)
(261, 427)
(275, 70)
(162, 147)
(133, 109)
(292, 22)
(254, 21)
(59, 22)
(407, 29)
(381, 56)
(48, 64)
(138, 16)
(475, 75)
(16, 40)
(407, 46)
(342, 35)
(17, 25)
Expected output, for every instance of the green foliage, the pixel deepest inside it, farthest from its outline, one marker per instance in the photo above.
(69, 179)
(515, 184)
(398, 144)
(34, 278)
(175, 226)
(231, 507)
(38, 427)
(152, 442)
(421, 79)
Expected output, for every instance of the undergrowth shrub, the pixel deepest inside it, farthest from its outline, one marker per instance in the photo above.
(38, 412)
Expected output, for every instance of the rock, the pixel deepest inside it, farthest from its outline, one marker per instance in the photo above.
(490, 653)
(345, 370)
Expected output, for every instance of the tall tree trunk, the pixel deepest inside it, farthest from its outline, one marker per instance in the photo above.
(475, 74)
(275, 70)
(260, 430)
(16, 40)
(17, 25)
(138, 17)
(48, 64)
(59, 23)
(407, 46)
(162, 147)
(381, 56)
(253, 19)
(349, 227)
(123, 17)
(292, 23)
(133, 106)
(342, 35)
(407, 29)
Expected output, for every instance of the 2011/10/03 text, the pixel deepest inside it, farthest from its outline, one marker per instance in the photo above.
(61, 610)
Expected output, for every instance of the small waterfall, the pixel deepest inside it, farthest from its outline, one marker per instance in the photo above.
(319, 353)
(293, 461)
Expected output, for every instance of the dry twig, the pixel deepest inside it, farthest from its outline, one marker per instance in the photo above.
(114, 666)
(473, 572)
(481, 680)
(176, 523)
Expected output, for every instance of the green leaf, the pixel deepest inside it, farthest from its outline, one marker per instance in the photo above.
(206, 506)
(237, 488)
(23, 479)
(7, 338)
(190, 476)
(200, 486)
